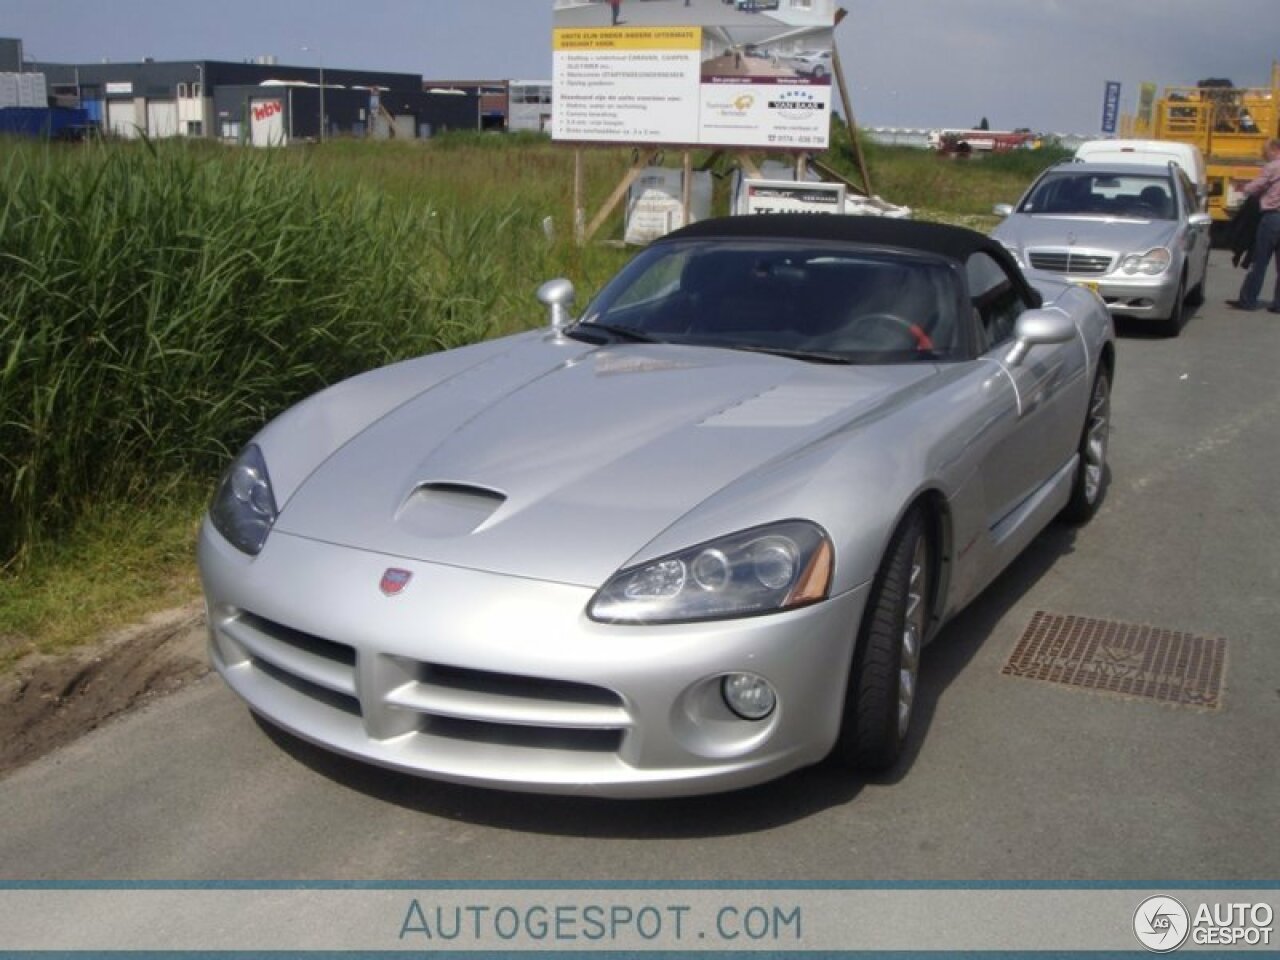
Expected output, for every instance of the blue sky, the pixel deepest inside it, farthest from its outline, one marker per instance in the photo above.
(913, 63)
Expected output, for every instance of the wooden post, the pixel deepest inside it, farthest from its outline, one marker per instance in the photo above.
(850, 123)
(686, 193)
(641, 161)
(579, 215)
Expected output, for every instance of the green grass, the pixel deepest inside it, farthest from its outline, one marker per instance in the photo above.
(160, 302)
(947, 186)
(121, 562)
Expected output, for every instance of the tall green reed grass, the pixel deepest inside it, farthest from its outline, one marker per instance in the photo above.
(160, 302)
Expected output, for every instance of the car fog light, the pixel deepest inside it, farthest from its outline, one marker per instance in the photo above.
(749, 696)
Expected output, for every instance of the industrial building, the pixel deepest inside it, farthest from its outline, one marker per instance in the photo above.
(509, 105)
(264, 102)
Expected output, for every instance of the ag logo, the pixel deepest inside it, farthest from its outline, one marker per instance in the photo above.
(1161, 924)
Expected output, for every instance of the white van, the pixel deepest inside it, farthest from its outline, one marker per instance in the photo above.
(1185, 155)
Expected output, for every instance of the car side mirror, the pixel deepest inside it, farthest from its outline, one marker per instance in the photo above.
(1037, 327)
(557, 296)
(1199, 220)
(1002, 209)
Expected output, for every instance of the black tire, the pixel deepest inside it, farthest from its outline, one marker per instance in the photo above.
(1173, 323)
(1196, 297)
(1091, 472)
(886, 661)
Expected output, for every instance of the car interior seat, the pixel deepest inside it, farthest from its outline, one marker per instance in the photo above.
(1156, 198)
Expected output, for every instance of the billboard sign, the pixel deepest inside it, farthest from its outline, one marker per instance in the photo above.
(783, 196)
(701, 74)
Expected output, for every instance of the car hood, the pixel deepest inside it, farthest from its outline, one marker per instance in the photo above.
(559, 462)
(1023, 231)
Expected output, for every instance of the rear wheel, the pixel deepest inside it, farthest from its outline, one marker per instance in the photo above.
(1091, 470)
(880, 699)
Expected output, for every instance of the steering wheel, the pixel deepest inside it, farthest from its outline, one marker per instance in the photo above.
(898, 326)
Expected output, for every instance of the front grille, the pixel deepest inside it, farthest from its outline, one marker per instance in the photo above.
(338, 701)
(502, 684)
(512, 735)
(1066, 261)
(396, 695)
(315, 664)
(509, 709)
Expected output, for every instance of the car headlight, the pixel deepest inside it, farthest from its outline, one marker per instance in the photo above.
(1152, 263)
(762, 570)
(244, 506)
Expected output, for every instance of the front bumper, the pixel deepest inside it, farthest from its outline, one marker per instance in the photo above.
(496, 681)
(1126, 295)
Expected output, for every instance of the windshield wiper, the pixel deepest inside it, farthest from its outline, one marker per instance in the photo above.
(628, 334)
(809, 356)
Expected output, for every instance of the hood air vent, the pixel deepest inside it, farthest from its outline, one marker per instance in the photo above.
(438, 510)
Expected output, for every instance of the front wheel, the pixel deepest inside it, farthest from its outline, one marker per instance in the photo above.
(880, 698)
(1091, 470)
(1173, 324)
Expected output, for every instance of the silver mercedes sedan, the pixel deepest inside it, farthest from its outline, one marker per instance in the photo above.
(688, 539)
(1132, 233)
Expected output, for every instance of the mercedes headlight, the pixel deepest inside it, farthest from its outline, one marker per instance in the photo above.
(762, 570)
(1152, 263)
(244, 506)
(1015, 253)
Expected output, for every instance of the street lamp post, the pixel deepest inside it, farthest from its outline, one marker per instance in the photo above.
(320, 61)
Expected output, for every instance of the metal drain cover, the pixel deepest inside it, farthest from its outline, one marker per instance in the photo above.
(1123, 658)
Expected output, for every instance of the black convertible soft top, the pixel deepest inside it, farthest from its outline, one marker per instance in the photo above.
(954, 243)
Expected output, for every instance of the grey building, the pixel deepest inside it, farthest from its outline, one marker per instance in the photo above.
(259, 102)
(10, 55)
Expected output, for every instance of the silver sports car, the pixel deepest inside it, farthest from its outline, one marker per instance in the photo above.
(690, 539)
(1133, 233)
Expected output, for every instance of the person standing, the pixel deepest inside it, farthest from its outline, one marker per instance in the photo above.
(615, 7)
(1266, 242)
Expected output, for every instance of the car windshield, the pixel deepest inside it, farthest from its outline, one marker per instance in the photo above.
(1103, 195)
(812, 301)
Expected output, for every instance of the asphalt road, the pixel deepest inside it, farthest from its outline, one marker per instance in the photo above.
(1008, 778)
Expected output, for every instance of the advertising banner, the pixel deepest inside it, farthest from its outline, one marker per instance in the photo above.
(777, 196)
(751, 73)
(655, 203)
(1110, 106)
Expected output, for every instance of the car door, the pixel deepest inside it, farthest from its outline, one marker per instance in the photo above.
(1196, 240)
(1042, 426)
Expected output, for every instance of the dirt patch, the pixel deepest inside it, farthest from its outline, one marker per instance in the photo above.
(46, 702)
